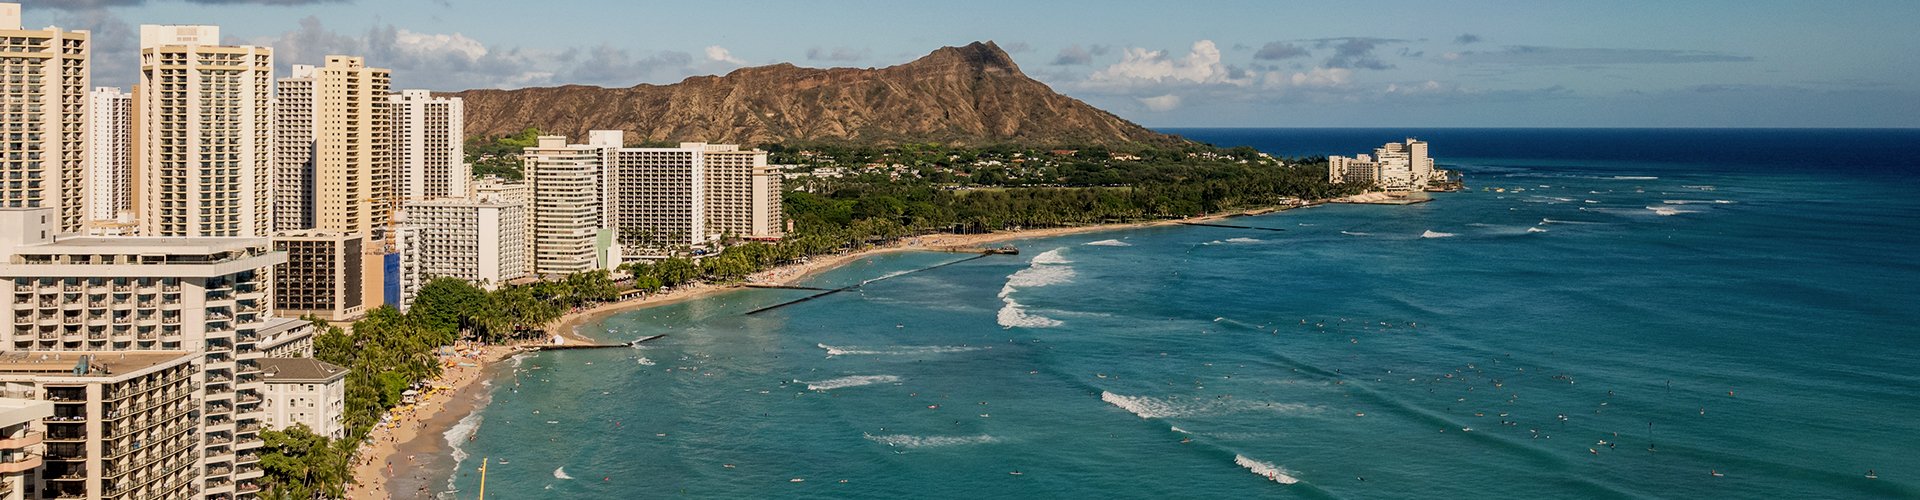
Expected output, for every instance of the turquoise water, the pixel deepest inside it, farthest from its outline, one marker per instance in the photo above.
(1757, 322)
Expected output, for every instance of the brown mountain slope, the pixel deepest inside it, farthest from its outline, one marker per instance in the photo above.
(968, 95)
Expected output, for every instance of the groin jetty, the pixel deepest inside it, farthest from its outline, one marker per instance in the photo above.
(566, 347)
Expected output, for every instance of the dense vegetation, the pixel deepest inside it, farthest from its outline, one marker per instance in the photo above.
(500, 156)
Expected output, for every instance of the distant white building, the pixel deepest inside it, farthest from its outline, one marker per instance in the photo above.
(305, 391)
(1395, 166)
(429, 142)
(109, 155)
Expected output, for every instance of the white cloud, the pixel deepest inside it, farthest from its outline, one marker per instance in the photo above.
(1137, 66)
(717, 53)
(1161, 103)
(432, 43)
(1322, 77)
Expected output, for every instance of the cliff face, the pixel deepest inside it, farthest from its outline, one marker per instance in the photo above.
(968, 95)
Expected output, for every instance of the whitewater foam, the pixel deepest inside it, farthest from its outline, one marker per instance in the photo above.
(1146, 407)
(1636, 178)
(1265, 469)
(643, 361)
(1051, 257)
(885, 276)
(1037, 276)
(896, 350)
(1435, 234)
(910, 441)
(1535, 230)
(1670, 211)
(1109, 243)
(851, 381)
(1013, 315)
(561, 473)
(1355, 233)
(1242, 240)
(457, 436)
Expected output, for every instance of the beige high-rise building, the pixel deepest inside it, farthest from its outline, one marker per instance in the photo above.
(429, 143)
(353, 153)
(205, 115)
(42, 157)
(109, 155)
(742, 191)
(21, 447)
(294, 124)
(571, 227)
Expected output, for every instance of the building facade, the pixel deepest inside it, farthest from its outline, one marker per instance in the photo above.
(320, 275)
(742, 192)
(46, 120)
(430, 146)
(569, 185)
(147, 346)
(482, 241)
(109, 155)
(305, 391)
(21, 445)
(659, 197)
(205, 114)
(294, 124)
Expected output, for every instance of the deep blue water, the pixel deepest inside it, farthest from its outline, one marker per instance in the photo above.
(1740, 302)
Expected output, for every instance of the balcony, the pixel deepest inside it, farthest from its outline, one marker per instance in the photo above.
(23, 441)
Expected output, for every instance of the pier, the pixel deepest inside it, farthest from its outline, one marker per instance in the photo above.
(1203, 224)
(826, 292)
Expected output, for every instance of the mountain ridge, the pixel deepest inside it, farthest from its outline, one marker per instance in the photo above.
(968, 95)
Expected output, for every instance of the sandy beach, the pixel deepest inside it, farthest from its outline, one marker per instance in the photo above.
(398, 461)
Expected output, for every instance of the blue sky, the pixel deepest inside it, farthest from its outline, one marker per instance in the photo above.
(1191, 63)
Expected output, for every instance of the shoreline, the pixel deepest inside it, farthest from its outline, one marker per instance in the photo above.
(420, 429)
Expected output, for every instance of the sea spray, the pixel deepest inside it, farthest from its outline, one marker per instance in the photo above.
(1264, 469)
(909, 441)
(851, 381)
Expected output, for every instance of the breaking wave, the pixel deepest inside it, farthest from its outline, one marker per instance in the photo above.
(457, 436)
(1109, 243)
(1013, 315)
(1670, 211)
(1266, 470)
(852, 381)
(896, 350)
(1435, 234)
(1146, 407)
(561, 473)
(1242, 240)
(909, 441)
(1051, 257)
(1355, 233)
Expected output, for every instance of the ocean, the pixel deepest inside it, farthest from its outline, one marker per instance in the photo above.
(1633, 313)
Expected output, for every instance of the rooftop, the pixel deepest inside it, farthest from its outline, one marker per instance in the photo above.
(283, 370)
(143, 245)
(100, 364)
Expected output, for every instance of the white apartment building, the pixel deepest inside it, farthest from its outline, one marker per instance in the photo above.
(305, 391)
(1395, 166)
(109, 155)
(572, 230)
(42, 156)
(168, 330)
(205, 119)
(510, 191)
(430, 146)
(294, 124)
(482, 241)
